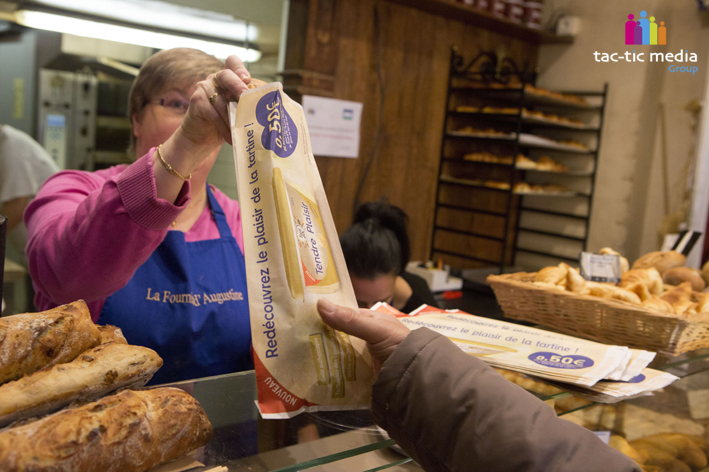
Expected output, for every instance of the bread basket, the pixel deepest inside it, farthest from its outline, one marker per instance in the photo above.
(598, 319)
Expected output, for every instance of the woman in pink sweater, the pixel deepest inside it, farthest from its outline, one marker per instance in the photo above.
(150, 246)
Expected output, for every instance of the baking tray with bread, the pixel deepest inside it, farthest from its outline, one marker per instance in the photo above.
(71, 398)
(659, 304)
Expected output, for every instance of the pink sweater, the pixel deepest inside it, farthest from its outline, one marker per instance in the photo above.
(88, 232)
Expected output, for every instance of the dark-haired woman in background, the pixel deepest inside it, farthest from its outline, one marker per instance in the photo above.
(376, 249)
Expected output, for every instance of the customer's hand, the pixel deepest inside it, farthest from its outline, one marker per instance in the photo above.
(382, 332)
(206, 124)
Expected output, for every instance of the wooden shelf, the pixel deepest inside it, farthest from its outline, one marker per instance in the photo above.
(480, 184)
(485, 20)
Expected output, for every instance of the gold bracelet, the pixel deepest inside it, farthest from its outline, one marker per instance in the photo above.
(169, 167)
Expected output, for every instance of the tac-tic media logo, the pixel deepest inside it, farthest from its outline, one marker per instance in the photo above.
(644, 31)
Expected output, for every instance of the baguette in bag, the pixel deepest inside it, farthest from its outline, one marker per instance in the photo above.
(293, 258)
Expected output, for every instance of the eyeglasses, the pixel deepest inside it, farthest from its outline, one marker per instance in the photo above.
(172, 101)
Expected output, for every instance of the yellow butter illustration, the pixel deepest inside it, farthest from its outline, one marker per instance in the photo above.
(285, 230)
(312, 264)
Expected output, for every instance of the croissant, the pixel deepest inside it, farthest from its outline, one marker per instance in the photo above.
(549, 285)
(650, 277)
(624, 264)
(626, 296)
(690, 310)
(638, 288)
(552, 275)
(574, 282)
(600, 289)
(679, 297)
(657, 303)
(703, 304)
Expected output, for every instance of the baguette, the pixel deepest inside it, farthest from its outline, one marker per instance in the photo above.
(111, 334)
(132, 431)
(93, 374)
(32, 341)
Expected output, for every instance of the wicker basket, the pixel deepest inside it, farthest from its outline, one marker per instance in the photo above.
(598, 319)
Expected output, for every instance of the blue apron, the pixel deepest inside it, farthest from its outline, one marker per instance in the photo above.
(188, 302)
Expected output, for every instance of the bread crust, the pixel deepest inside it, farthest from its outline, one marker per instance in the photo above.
(111, 334)
(32, 341)
(132, 431)
(91, 375)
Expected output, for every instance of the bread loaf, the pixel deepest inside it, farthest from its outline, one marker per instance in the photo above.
(677, 275)
(660, 260)
(621, 444)
(132, 431)
(111, 334)
(31, 341)
(665, 461)
(91, 375)
(680, 446)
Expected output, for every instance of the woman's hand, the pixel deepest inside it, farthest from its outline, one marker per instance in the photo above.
(207, 121)
(382, 332)
(204, 128)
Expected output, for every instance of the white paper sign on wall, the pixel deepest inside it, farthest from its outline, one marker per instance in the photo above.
(333, 126)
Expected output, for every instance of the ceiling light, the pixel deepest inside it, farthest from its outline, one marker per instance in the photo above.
(156, 13)
(125, 34)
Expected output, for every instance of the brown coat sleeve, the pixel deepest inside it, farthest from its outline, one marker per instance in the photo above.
(451, 412)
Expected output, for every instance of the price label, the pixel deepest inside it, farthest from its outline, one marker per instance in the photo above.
(561, 361)
(604, 436)
(600, 267)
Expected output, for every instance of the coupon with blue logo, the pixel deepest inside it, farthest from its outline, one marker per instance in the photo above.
(543, 354)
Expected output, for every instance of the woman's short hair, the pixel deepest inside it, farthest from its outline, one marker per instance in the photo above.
(179, 67)
(377, 243)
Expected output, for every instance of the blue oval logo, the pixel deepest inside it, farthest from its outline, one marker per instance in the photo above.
(279, 132)
(637, 379)
(561, 361)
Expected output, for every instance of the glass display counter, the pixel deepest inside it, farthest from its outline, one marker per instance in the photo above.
(349, 440)
(325, 441)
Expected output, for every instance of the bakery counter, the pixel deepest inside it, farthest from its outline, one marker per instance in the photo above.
(329, 441)
(348, 440)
